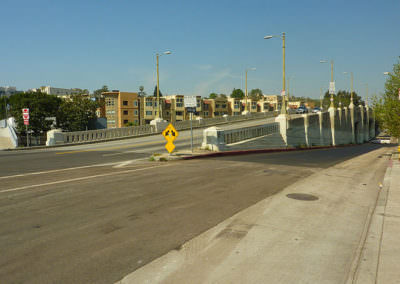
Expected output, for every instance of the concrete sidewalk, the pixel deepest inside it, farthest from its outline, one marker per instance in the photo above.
(314, 231)
(380, 260)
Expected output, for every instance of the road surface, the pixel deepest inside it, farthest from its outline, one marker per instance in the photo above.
(79, 216)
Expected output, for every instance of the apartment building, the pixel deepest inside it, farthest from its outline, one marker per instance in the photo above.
(207, 109)
(235, 106)
(121, 108)
(219, 106)
(177, 107)
(60, 92)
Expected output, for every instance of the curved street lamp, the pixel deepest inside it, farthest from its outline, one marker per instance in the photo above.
(158, 116)
(332, 84)
(246, 94)
(283, 107)
(351, 89)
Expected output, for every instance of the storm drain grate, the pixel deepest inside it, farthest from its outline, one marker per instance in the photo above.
(302, 196)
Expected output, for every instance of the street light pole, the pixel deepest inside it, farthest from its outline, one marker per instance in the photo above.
(158, 92)
(331, 84)
(245, 91)
(245, 101)
(320, 98)
(283, 37)
(158, 116)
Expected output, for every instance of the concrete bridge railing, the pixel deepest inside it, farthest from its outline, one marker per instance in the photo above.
(57, 137)
(353, 125)
(216, 139)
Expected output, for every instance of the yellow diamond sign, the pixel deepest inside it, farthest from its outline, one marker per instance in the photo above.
(170, 134)
(170, 147)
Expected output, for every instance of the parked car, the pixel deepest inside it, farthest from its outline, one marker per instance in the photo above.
(301, 109)
(316, 110)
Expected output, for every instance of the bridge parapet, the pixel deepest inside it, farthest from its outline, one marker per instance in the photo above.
(333, 127)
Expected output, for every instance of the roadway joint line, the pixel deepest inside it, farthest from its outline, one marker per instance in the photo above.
(69, 169)
(78, 179)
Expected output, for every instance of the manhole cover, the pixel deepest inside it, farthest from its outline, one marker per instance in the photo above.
(302, 196)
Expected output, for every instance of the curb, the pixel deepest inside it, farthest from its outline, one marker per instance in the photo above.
(258, 151)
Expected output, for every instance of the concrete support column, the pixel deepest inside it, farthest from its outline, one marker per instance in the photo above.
(360, 134)
(353, 137)
(306, 130)
(321, 129)
(283, 126)
(372, 126)
(332, 114)
(366, 132)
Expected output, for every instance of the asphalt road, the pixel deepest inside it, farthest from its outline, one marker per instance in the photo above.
(96, 224)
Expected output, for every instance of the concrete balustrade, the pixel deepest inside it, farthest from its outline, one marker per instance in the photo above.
(216, 139)
(59, 138)
(334, 127)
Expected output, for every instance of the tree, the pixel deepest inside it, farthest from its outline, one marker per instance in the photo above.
(237, 94)
(142, 93)
(344, 97)
(387, 107)
(98, 92)
(75, 115)
(155, 92)
(41, 106)
(256, 94)
(213, 96)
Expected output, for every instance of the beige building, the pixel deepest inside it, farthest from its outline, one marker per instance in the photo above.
(177, 108)
(274, 100)
(235, 106)
(219, 106)
(263, 106)
(207, 109)
(121, 108)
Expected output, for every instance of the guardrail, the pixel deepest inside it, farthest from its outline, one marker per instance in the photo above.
(114, 133)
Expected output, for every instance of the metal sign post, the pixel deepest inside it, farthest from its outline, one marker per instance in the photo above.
(25, 116)
(191, 132)
(190, 105)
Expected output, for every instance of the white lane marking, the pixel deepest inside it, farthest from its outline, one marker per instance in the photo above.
(123, 164)
(67, 169)
(77, 179)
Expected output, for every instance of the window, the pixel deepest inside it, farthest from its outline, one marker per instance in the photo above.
(149, 103)
(206, 113)
(217, 106)
(125, 103)
(109, 101)
(205, 107)
(179, 104)
(125, 121)
(149, 112)
(125, 112)
(136, 112)
(224, 106)
(135, 103)
(216, 113)
(178, 113)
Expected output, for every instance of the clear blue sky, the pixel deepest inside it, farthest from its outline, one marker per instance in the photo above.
(86, 44)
